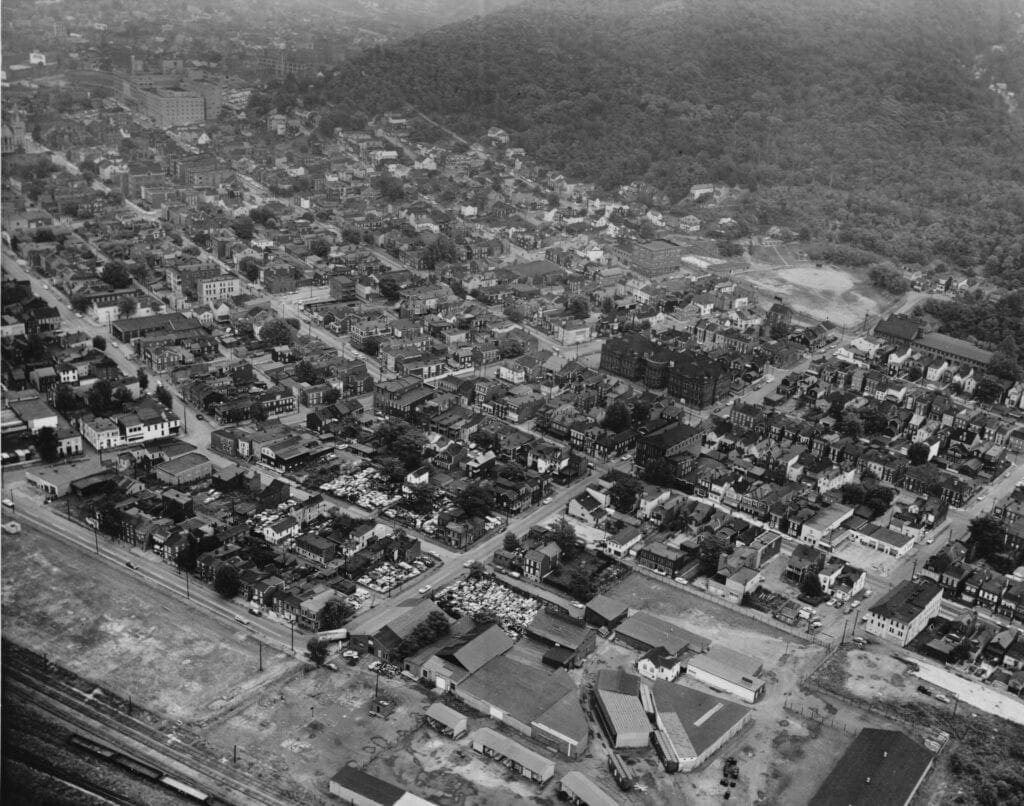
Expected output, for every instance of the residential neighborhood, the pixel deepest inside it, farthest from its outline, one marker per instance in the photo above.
(550, 477)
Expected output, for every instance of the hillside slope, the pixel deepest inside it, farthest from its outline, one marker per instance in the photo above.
(867, 120)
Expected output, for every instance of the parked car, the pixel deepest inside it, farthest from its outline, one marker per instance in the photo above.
(942, 698)
(924, 690)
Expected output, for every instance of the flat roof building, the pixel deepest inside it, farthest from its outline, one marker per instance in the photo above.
(905, 611)
(880, 768)
(646, 632)
(692, 725)
(732, 672)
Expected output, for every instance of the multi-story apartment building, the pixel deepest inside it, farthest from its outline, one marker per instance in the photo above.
(905, 611)
(213, 289)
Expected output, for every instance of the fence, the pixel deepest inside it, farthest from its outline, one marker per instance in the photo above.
(749, 612)
(813, 714)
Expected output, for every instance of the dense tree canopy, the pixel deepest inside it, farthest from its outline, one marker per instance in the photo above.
(870, 121)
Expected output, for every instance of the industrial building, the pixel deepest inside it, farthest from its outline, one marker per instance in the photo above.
(880, 768)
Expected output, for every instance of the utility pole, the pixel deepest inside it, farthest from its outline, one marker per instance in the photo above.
(260, 644)
(291, 625)
(187, 594)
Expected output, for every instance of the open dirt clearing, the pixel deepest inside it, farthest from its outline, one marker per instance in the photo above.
(134, 640)
(316, 723)
(839, 295)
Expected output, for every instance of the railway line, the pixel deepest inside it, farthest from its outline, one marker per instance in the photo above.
(54, 772)
(99, 714)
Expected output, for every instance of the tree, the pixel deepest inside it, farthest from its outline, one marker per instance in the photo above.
(127, 307)
(660, 471)
(624, 493)
(122, 395)
(513, 313)
(331, 395)
(476, 569)
(810, 586)
(305, 372)
(580, 585)
(393, 469)
(317, 651)
(46, 443)
(99, 342)
(616, 417)
(116, 275)
(320, 247)
(98, 397)
(510, 542)
(143, 379)
(277, 332)
(258, 412)
(988, 390)
(80, 303)
(389, 289)
(712, 547)
(475, 501)
(226, 581)
(390, 187)
(64, 399)
(986, 536)
(335, 614)
(250, 267)
(918, 453)
(243, 227)
(563, 533)
(578, 308)
(164, 396)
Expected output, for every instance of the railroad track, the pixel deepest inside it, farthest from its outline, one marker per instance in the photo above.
(70, 779)
(95, 714)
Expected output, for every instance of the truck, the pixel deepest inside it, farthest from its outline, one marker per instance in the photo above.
(330, 636)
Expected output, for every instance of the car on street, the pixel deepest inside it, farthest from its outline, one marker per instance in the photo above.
(942, 698)
(200, 417)
(924, 690)
(130, 564)
(8, 502)
(425, 590)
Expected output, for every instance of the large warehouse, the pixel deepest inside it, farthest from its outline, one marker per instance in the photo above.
(692, 725)
(880, 768)
(619, 709)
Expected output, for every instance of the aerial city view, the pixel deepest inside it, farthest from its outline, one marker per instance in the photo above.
(481, 402)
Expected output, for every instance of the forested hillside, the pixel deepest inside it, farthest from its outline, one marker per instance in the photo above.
(867, 121)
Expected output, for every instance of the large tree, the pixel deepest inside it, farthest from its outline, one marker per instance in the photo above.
(317, 651)
(986, 536)
(616, 417)
(46, 443)
(277, 332)
(116, 275)
(335, 614)
(563, 533)
(475, 501)
(226, 581)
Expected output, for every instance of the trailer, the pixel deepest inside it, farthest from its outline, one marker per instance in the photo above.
(330, 636)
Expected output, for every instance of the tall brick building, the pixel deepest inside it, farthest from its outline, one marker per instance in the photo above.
(692, 377)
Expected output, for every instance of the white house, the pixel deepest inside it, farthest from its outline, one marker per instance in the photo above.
(659, 664)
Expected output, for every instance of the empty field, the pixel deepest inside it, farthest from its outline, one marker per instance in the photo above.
(840, 295)
(104, 625)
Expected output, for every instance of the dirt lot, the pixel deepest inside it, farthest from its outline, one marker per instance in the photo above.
(316, 723)
(984, 756)
(843, 296)
(136, 641)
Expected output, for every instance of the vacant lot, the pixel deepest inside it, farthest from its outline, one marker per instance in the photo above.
(313, 725)
(984, 756)
(841, 295)
(98, 622)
